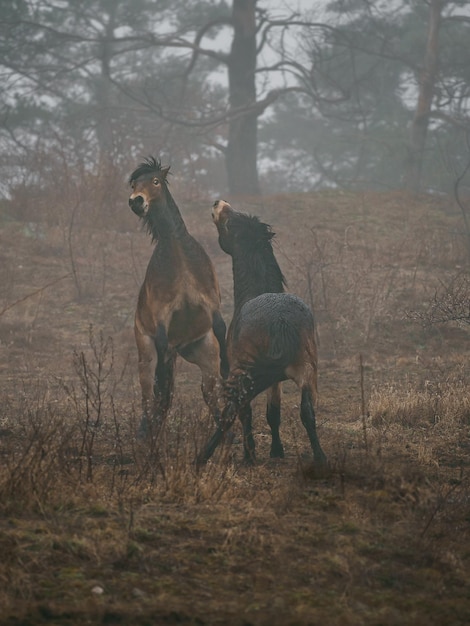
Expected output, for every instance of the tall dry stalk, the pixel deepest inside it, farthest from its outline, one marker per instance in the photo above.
(363, 404)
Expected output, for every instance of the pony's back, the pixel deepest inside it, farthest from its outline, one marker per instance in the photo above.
(276, 323)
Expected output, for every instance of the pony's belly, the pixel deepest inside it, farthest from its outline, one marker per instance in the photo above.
(188, 324)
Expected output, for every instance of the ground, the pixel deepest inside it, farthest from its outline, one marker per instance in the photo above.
(94, 530)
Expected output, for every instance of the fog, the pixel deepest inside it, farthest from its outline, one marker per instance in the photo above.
(287, 96)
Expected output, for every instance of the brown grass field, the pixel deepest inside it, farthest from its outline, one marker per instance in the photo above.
(95, 530)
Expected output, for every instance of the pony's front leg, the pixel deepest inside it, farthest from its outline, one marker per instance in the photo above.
(223, 427)
(239, 392)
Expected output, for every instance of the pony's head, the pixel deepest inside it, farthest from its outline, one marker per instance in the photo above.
(234, 226)
(148, 183)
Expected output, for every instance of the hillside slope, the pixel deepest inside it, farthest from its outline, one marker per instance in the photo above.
(97, 528)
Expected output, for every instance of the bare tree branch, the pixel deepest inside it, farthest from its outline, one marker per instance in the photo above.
(223, 58)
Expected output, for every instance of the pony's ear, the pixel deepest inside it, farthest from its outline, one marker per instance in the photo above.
(164, 172)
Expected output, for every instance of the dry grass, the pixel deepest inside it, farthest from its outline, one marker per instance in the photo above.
(96, 528)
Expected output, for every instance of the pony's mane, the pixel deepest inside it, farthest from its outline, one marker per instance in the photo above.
(251, 229)
(255, 248)
(148, 166)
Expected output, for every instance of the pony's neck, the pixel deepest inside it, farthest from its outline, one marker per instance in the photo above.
(255, 273)
(164, 220)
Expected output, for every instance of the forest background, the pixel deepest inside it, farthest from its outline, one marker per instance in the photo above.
(240, 97)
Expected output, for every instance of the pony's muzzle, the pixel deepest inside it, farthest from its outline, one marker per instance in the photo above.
(217, 208)
(214, 206)
(138, 205)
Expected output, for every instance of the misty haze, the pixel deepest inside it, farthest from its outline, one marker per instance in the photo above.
(338, 133)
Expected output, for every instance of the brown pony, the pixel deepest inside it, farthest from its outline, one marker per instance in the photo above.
(271, 337)
(178, 308)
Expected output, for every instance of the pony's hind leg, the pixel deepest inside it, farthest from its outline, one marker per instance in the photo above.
(156, 372)
(164, 386)
(147, 364)
(307, 414)
(164, 376)
(205, 353)
(273, 417)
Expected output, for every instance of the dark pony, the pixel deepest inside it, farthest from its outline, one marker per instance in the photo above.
(271, 337)
(178, 308)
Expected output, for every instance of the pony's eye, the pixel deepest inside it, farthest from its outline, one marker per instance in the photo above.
(156, 182)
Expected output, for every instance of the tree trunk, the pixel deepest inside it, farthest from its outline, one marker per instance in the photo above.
(241, 156)
(104, 97)
(427, 79)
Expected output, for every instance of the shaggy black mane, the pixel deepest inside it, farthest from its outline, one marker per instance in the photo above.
(251, 230)
(257, 269)
(148, 166)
